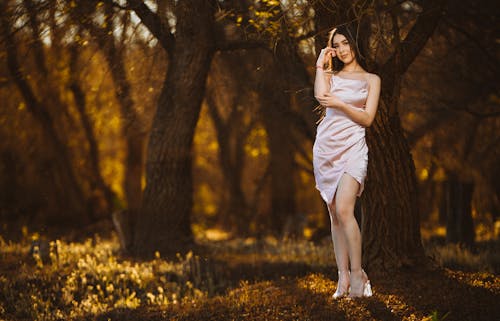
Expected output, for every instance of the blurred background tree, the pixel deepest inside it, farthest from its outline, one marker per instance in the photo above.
(451, 94)
(181, 120)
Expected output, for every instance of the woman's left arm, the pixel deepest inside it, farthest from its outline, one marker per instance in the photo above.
(365, 116)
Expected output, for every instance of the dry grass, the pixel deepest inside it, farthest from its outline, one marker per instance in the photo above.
(239, 279)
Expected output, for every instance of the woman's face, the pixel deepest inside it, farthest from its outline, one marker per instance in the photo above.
(342, 48)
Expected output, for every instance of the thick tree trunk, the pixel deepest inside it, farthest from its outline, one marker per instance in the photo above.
(163, 222)
(390, 224)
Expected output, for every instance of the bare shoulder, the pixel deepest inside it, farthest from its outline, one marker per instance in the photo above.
(373, 79)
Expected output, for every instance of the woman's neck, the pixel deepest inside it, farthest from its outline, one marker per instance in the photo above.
(353, 66)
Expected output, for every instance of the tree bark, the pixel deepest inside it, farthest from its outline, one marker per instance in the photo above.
(9, 185)
(132, 128)
(74, 201)
(163, 223)
(96, 181)
(278, 89)
(391, 223)
(281, 165)
(231, 135)
(275, 103)
(459, 223)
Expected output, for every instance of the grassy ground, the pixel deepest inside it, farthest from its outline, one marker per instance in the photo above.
(244, 279)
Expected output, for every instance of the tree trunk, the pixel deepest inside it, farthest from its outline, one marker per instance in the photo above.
(132, 128)
(231, 135)
(134, 135)
(163, 222)
(275, 104)
(390, 224)
(427, 192)
(459, 223)
(9, 185)
(73, 202)
(98, 185)
(281, 166)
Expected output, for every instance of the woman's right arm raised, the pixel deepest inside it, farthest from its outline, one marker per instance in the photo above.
(322, 80)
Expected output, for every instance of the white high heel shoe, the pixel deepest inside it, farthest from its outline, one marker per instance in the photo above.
(340, 293)
(367, 288)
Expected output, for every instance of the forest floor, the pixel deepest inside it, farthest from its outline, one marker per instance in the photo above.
(444, 295)
(244, 279)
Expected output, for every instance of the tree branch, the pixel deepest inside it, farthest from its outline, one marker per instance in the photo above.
(154, 24)
(308, 35)
(17, 74)
(480, 114)
(36, 34)
(490, 58)
(214, 113)
(418, 36)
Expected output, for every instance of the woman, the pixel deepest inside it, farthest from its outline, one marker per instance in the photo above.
(340, 156)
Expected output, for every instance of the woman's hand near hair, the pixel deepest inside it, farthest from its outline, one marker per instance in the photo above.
(322, 80)
(324, 56)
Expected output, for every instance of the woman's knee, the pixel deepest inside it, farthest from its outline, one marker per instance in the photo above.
(344, 212)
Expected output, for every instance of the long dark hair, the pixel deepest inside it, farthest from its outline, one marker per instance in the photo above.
(335, 65)
(350, 32)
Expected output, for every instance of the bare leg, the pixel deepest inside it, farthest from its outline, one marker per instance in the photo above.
(345, 201)
(341, 253)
